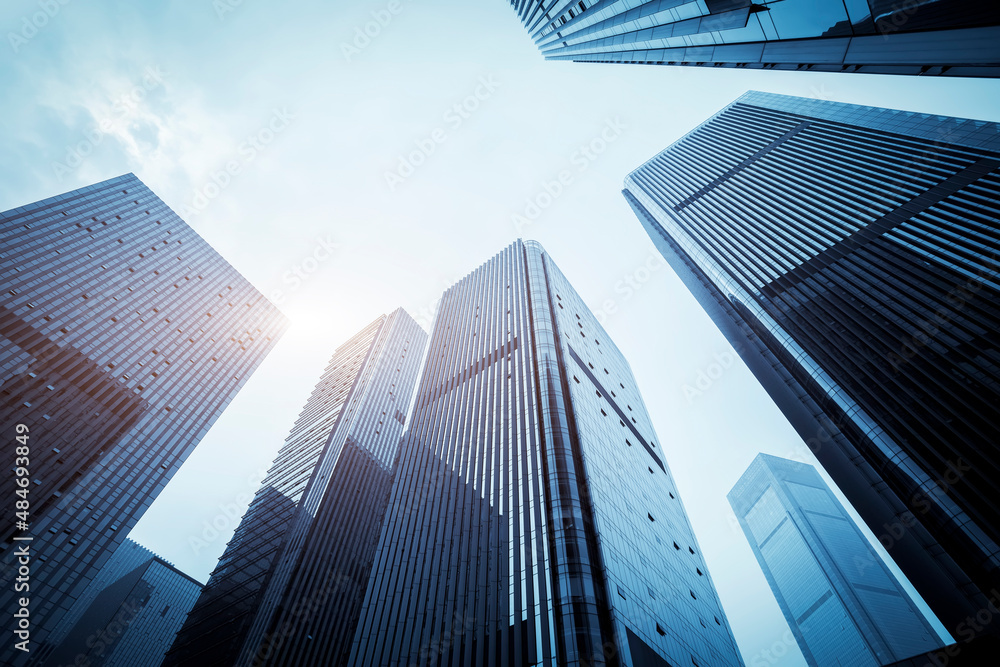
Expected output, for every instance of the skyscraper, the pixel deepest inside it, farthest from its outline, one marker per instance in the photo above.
(123, 336)
(533, 519)
(849, 255)
(837, 595)
(128, 615)
(928, 37)
(290, 583)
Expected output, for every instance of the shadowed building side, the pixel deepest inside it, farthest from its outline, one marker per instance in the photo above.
(849, 254)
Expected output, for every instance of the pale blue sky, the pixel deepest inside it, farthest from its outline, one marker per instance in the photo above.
(173, 90)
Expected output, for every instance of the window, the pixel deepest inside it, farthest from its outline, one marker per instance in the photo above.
(660, 630)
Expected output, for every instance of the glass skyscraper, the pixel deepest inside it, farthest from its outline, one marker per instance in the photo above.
(842, 603)
(927, 37)
(289, 586)
(126, 617)
(123, 336)
(849, 254)
(533, 519)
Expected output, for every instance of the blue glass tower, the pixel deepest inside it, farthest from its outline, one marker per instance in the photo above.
(849, 254)
(123, 337)
(842, 603)
(288, 589)
(533, 519)
(925, 37)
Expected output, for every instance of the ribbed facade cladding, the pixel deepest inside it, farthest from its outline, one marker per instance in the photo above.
(533, 519)
(123, 336)
(927, 37)
(333, 471)
(313, 601)
(849, 255)
(837, 595)
(131, 621)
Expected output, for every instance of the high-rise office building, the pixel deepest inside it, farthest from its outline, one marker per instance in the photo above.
(533, 519)
(838, 596)
(289, 586)
(126, 558)
(927, 37)
(126, 617)
(123, 336)
(849, 254)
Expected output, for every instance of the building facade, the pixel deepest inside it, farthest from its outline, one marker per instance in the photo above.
(126, 558)
(292, 578)
(836, 593)
(533, 519)
(127, 617)
(926, 37)
(123, 336)
(849, 254)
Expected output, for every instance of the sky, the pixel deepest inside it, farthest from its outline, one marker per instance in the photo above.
(346, 175)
